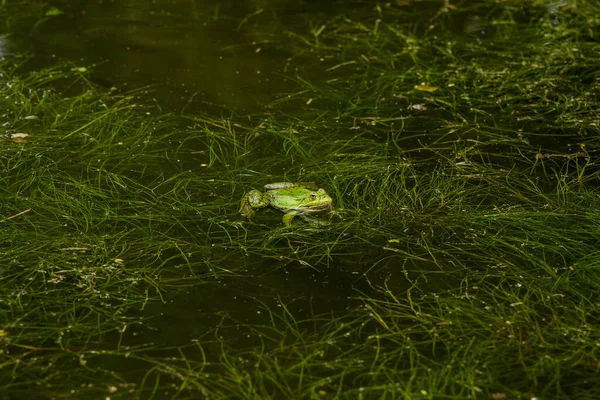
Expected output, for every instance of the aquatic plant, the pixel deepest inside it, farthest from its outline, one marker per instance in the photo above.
(459, 143)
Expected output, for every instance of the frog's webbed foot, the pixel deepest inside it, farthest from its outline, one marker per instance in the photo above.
(318, 222)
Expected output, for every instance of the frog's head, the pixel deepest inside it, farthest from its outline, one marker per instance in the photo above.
(301, 199)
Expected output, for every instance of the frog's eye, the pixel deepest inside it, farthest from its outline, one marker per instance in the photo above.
(313, 195)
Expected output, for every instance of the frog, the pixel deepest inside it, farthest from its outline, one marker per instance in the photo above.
(293, 199)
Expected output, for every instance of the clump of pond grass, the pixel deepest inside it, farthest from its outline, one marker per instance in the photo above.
(416, 223)
(500, 305)
(492, 230)
(461, 262)
(88, 223)
(375, 62)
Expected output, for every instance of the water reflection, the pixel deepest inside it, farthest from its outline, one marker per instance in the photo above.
(195, 54)
(3, 46)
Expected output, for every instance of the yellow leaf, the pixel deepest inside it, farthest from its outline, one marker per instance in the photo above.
(426, 88)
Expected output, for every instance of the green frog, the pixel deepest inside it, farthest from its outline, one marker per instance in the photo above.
(292, 199)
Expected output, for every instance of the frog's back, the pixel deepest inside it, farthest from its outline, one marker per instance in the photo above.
(280, 185)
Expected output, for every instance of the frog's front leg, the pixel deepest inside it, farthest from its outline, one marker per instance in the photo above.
(252, 200)
(288, 217)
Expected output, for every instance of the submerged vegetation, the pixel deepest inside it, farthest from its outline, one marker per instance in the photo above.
(459, 143)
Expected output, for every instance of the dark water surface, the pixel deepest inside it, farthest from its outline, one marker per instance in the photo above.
(195, 54)
(261, 62)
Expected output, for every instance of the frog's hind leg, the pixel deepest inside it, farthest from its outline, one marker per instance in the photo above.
(288, 217)
(252, 201)
(246, 209)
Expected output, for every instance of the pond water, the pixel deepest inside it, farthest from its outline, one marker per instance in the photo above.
(455, 139)
(196, 55)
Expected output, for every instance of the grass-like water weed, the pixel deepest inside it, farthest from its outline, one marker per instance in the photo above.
(461, 258)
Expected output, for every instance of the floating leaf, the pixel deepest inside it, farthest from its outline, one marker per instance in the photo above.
(19, 137)
(426, 88)
(53, 11)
